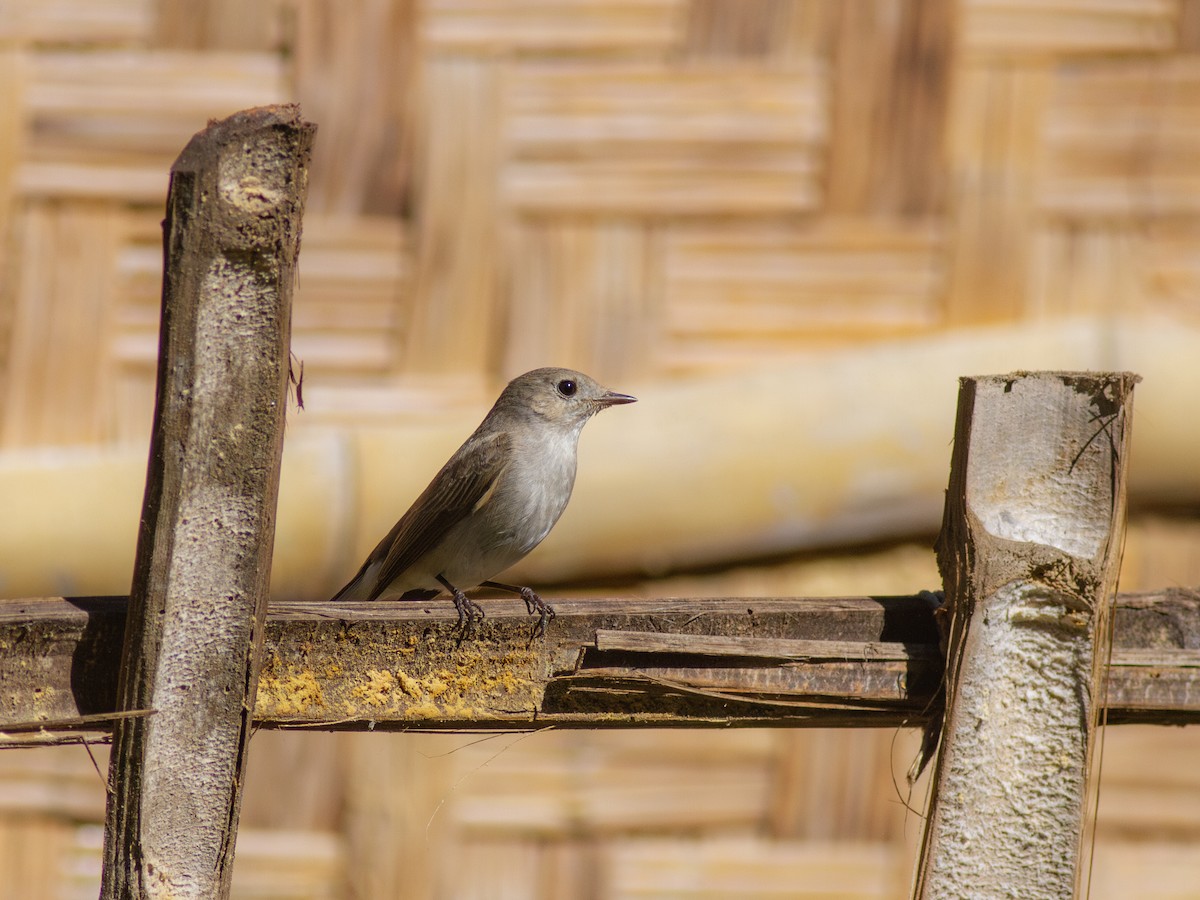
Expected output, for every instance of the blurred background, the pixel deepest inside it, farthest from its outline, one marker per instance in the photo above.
(787, 226)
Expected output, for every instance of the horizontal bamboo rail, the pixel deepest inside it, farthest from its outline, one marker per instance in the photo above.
(853, 661)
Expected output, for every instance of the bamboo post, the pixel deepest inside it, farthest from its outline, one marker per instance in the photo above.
(199, 596)
(1029, 552)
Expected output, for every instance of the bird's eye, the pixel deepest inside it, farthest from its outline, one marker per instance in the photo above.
(567, 387)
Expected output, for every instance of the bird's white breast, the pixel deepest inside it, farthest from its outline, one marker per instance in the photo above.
(511, 519)
(535, 488)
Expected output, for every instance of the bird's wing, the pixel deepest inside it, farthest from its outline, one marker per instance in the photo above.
(451, 496)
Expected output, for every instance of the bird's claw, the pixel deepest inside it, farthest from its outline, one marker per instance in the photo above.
(470, 613)
(535, 604)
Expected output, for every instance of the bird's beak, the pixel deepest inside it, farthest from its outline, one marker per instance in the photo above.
(612, 398)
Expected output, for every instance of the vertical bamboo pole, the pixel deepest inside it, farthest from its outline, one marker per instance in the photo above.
(1029, 551)
(199, 596)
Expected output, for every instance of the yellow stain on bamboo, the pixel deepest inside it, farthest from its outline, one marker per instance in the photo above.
(446, 692)
(377, 689)
(453, 685)
(289, 694)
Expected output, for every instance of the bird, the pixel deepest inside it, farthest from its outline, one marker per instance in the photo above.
(492, 502)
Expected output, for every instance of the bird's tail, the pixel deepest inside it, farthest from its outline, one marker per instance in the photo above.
(359, 587)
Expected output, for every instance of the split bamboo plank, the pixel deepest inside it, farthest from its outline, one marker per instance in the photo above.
(643, 140)
(996, 153)
(1118, 142)
(355, 70)
(1102, 267)
(839, 785)
(768, 283)
(610, 784)
(289, 864)
(106, 124)
(584, 28)
(217, 25)
(753, 31)
(1143, 802)
(59, 389)
(281, 864)
(32, 848)
(460, 258)
(1172, 266)
(103, 22)
(54, 784)
(607, 268)
(354, 280)
(1012, 29)
(389, 816)
(891, 75)
(1161, 870)
(12, 99)
(1158, 548)
(716, 867)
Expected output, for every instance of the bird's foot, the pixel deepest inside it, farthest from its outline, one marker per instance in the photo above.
(470, 613)
(535, 604)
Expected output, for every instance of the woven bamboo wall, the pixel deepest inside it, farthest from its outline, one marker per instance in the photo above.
(649, 190)
(641, 188)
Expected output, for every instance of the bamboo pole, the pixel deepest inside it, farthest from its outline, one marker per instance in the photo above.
(1029, 552)
(199, 595)
(752, 444)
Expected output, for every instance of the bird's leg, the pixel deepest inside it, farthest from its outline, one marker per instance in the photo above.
(469, 612)
(533, 603)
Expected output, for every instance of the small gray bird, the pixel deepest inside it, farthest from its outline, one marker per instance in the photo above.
(493, 502)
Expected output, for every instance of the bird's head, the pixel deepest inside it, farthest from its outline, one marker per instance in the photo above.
(560, 396)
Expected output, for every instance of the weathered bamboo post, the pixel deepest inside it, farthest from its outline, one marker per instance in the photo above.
(1029, 551)
(199, 595)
